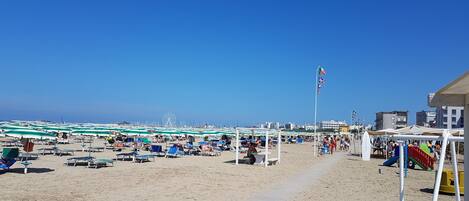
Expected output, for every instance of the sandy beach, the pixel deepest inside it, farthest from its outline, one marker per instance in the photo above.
(298, 177)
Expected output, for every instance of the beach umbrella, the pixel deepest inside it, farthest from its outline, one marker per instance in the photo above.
(137, 132)
(12, 127)
(29, 133)
(90, 133)
(168, 132)
(56, 129)
(101, 133)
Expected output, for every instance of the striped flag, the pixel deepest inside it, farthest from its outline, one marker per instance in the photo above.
(321, 80)
(322, 71)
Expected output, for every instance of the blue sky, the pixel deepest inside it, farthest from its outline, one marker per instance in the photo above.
(225, 62)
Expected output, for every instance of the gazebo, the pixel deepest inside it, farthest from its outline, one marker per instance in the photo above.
(456, 93)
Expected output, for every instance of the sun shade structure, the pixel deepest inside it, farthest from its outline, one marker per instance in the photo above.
(92, 132)
(29, 133)
(57, 129)
(456, 93)
(12, 127)
(137, 132)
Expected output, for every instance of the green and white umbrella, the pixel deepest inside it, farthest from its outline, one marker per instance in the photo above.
(7, 127)
(29, 133)
(168, 132)
(57, 129)
(102, 133)
(137, 132)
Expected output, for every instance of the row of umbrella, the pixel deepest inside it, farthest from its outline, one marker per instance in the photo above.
(47, 131)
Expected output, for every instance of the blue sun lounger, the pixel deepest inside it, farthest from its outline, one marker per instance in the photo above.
(173, 152)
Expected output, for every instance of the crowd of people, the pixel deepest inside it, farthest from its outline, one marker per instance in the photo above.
(333, 143)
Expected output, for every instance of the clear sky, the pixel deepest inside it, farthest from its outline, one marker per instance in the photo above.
(225, 62)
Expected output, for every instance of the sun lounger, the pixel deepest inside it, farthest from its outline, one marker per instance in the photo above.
(63, 141)
(144, 158)
(157, 150)
(61, 152)
(260, 159)
(8, 158)
(47, 150)
(126, 156)
(100, 162)
(95, 149)
(210, 151)
(27, 156)
(173, 152)
(79, 160)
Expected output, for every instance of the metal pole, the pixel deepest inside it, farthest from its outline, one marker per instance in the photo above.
(237, 146)
(266, 160)
(441, 163)
(279, 145)
(455, 171)
(466, 130)
(316, 111)
(401, 170)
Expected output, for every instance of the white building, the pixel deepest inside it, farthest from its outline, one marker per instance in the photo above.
(332, 124)
(289, 126)
(426, 118)
(450, 117)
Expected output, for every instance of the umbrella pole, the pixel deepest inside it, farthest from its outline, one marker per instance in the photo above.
(89, 148)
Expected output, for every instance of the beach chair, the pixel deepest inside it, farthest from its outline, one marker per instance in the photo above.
(173, 152)
(126, 156)
(61, 152)
(27, 156)
(210, 151)
(100, 162)
(260, 158)
(157, 150)
(78, 160)
(8, 158)
(144, 158)
(299, 141)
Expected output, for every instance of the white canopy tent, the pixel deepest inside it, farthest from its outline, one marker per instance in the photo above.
(267, 133)
(456, 93)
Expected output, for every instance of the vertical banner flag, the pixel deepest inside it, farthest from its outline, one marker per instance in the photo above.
(321, 81)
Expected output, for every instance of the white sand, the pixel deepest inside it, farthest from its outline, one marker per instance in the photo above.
(299, 177)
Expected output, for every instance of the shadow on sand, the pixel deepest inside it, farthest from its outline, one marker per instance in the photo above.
(30, 170)
(241, 161)
(430, 191)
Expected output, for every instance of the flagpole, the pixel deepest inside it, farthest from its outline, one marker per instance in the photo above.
(316, 113)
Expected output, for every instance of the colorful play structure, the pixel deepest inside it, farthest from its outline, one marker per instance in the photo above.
(413, 156)
(445, 181)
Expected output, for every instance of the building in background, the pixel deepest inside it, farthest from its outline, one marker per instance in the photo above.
(289, 126)
(426, 118)
(270, 125)
(391, 120)
(310, 127)
(450, 117)
(332, 124)
(344, 129)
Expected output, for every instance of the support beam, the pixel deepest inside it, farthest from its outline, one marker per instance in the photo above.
(466, 132)
(266, 159)
(441, 162)
(455, 171)
(237, 147)
(401, 170)
(279, 145)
